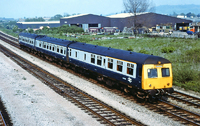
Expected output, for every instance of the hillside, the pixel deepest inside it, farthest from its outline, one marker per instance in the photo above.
(170, 9)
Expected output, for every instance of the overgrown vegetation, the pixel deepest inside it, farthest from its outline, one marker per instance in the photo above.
(183, 53)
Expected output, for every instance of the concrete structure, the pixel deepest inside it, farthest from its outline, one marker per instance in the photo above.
(122, 20)
(37, 25)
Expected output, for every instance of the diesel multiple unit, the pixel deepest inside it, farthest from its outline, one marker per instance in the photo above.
(144, 75)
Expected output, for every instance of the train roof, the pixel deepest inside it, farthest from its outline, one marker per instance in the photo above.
(56, 41)
(44, 38)
(138, 58)
(28, 35)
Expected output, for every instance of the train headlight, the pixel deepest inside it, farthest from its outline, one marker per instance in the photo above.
(149, 85)
(168, 84)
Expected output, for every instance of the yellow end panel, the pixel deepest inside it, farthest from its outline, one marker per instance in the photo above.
(159, 82)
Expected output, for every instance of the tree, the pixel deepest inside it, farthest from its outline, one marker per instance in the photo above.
(56, 18)
(137, 6)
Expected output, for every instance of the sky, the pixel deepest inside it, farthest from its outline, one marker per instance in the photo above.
(49, 8)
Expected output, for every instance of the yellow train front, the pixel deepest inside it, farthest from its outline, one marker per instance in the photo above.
(157, 78)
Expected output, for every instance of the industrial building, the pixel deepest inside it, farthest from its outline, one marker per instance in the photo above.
(87, 21)
(37, 25)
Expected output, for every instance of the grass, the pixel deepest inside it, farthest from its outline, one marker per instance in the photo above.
(183, 53)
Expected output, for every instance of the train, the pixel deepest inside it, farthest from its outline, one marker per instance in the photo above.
(145, 76)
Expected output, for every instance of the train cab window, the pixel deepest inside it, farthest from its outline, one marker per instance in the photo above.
(84, 56)
(152, 73)
(110, 63)
(70, 52)
(92, 58)
(99, 59)
(130, 68)
(165, 72)
(119, 66)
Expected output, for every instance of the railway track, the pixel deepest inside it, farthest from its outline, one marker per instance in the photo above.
(103, 112)
(163, 107)
(2, 121)
(186, 99)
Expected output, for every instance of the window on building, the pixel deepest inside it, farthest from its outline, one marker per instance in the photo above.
(110, 63)
(92, 58)
(119, 66)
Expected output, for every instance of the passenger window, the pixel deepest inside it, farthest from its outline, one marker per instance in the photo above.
(53, 48)
(64, 51)
(92, 58)
(70, 52)
(110, 63)
(50, 47)
(61, 50)
(99, 59)
(84, 56)
(152, 73)
(130, 68)
(58, 49)
(47, 46)
(44, 45)
(119, 66)
(76, 54)
(165, 72)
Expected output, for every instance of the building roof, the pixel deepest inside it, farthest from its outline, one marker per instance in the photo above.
(125, 15)
(74, 16)
(49, 22)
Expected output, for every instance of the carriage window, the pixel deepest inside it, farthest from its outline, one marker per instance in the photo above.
(119, 66)
(44, 45)
(76, 54)
(130, 68)
(50, 47)
(84, 56)
(99, 59)
(61, 50)
(40, 44)
(64, 51)
(92, 58)
(47, 46)
(53, 48)
(165, 72)
(58, 49)
(70, 52)
(152, 73)
(110, 63)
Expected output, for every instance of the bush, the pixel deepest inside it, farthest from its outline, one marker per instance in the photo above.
(129, 48)
(144, 51)
(193, 55)
(168, 49)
